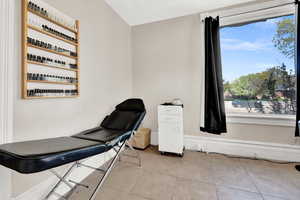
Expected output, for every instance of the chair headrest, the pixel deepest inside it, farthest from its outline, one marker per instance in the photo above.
(132, 105)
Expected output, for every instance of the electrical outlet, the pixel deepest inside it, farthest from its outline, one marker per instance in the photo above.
(199, 148)
(255, 155)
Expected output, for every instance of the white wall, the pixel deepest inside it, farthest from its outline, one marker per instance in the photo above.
(106, 79)
(167, 64)
(6, 95)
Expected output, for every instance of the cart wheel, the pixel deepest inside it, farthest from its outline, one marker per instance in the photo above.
(162, 153)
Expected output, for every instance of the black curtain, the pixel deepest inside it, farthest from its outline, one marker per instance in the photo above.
(297, 72)
(297, 69)
(214, 109)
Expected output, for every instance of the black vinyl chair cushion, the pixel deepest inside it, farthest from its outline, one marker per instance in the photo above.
(101, 135)
(120, 120)
(132, 105)
(39, 155)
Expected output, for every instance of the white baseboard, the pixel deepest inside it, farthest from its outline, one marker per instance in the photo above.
(251, 149)
(39, 191)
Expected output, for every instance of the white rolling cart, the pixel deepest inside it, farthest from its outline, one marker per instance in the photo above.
(170, 129)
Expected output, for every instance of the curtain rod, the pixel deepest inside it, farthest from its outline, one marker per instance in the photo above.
(261, 9)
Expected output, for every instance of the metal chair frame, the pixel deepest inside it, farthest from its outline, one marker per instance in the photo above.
(118, 150)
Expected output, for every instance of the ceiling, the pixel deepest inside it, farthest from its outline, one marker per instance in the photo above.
(136, 12)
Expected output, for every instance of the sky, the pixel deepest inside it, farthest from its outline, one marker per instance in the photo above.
(249, 49)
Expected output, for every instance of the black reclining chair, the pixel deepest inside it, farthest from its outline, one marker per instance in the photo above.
(40, 155)
(126, 118)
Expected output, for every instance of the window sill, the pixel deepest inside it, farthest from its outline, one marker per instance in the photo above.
(269, 120)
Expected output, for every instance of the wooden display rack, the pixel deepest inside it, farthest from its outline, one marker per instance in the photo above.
(25, 45)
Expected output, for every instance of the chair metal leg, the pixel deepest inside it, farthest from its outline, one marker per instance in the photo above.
(59, 196)
(79, 184)
(138, 156)
(90, 167)
(116, 151)
(62, 179)
(93, 196)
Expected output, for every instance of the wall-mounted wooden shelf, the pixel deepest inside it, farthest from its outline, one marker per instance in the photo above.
(51, 82)
(51, 35)
(51, 97)
(51, 51)
(42, 67)
(52, 21)
(51, 66)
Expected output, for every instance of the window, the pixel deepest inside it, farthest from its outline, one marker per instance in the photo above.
(258, 67)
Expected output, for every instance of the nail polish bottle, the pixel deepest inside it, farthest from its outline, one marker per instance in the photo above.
(35, 8)
(30, 5)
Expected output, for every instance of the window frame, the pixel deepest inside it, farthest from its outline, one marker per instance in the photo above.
(251, 16)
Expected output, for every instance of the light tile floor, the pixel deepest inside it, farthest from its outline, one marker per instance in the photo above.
(196, 176)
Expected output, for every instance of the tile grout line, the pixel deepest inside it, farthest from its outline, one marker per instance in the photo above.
(218, 196)
(253, 181)
(214, 178)
(238, 188)
(174, 176)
